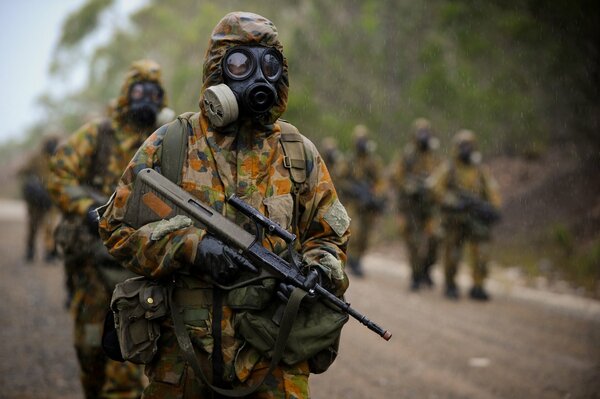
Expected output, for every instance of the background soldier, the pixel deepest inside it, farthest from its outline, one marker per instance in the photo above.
(333, 157)
(40, 212)
(85, 171)
(231, 149)
(362, 187)
(416, 202)
(470, 203)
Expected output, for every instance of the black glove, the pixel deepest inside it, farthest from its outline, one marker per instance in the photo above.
(314, 276)
(218, 260)
(91, 220)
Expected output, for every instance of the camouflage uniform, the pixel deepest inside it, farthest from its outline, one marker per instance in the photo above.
(449, 182)
(40, 211)
(244, 158)
(362, 187)
(78, 183)
(416, 203)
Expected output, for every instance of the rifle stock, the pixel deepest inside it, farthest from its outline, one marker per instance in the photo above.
(156, 197)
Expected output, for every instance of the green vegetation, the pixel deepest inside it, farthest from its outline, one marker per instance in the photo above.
(522, 74)
(516, 72)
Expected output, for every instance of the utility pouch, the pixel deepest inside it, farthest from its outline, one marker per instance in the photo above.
(314, 334)
(73, 239)
(138, 304)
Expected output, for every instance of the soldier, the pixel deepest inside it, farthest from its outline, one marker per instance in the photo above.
(235, 145)
(417, 204)
(333, 157)
(470, 203)
(362, 187)
(85, 172)
(40, 212)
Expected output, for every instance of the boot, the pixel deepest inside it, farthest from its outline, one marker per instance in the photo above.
(479, 294)
(451, 291)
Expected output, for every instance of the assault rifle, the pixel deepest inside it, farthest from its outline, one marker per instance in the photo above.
(480, 209)
(362, 192)
(158, 198)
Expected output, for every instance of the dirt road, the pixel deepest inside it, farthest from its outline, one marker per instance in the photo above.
(525, 343)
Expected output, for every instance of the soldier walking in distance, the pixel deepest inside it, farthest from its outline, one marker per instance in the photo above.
(40, 211)
(85, 172)
(470, 203)
(362, 189)
(416, 202)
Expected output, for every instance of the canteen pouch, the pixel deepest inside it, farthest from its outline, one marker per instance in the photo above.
(138, 304)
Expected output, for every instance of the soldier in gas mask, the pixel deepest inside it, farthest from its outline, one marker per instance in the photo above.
(85, 172)
(416, 203)
(237, 145)
(470, 204)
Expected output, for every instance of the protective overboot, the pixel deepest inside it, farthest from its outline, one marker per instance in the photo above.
(479, 294)
(451, 291)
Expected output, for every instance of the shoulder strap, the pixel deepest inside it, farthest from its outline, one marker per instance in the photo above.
(174, 147)
(294, 159)
(104, 143)
(293, 149)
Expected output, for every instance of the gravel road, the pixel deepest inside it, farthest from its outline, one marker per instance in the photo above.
(525, 343)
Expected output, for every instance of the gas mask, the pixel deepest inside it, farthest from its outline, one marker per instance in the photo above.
(425, 141)
(467, 153)
(250, 74)
(145, 100)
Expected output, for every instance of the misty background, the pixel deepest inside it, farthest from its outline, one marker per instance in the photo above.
(522, 74)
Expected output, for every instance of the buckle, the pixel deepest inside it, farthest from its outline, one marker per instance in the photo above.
(286, 162)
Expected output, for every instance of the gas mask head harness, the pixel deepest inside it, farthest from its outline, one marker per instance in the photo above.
(250, 75)
(145, 100)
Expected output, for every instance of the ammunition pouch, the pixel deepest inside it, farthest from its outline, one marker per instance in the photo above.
(138, 304)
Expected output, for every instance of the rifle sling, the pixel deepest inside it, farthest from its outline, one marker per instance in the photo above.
(183, 339)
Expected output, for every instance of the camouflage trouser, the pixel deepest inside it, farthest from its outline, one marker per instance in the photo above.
(361, 226)
(454, 240)
(422, 242)
(171, 378)
(100, 376)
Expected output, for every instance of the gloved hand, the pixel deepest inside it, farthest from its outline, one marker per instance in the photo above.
(91, 219)
(314, 276)
(218, 260)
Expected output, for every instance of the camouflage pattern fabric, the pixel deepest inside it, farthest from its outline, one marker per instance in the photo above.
(450, 179)
(245, 159)
(417, 206)
(75, 187)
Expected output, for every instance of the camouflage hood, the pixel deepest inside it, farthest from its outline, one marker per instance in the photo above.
(243, 28)
(139, 71)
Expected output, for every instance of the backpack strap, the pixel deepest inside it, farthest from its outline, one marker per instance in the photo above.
(294, 159)
(293, 148)
(104, 147)
(174, 147)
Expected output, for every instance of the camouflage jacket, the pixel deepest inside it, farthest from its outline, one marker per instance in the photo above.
(75, 183)
(246, 159)
(410, 171)
(454, 177)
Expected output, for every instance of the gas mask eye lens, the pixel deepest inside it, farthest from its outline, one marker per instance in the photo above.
(136, 92)
(238, 65)
(271, 66)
